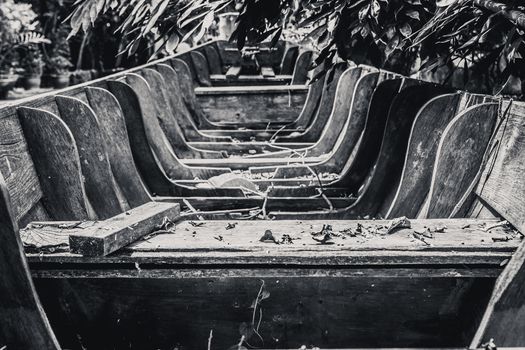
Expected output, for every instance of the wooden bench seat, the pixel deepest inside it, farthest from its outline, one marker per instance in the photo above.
(481, 247)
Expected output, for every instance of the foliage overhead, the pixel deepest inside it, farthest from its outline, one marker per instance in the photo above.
(484, 36)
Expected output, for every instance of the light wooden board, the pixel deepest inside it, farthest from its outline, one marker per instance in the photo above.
(105, 237)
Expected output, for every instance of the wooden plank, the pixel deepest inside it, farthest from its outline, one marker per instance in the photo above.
(459, 157)
(113, 128)
(302, 64)
(16, 165)
(98, 177)
(503, 317)
(105, 237)
(233, 72)
(502, 185)
(267, 72)
(160, 312)
(55, 155)
(24, 323)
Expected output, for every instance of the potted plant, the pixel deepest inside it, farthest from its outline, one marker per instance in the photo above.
(17, 31)
(58, 69)
(32, 64)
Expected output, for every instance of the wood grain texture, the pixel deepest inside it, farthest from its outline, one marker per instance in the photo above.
(385, 176)
(420, 156)
(152, 174)
(24, 323)
(113, 129)
(17, 166)
(323, 112)
(99, 182)
(302, 64)
(56, 159)
(240, 105)
(502, 185)
(105, 237)
(459, 157)
(158, 313)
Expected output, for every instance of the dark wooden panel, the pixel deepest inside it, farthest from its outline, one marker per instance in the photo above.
(213, 58)
(56, 160)
(113, 128)
(98, 178)
(421, 154)
(459, 158)
(330, 312)
(289, 59)
(302, 64)
(24, 324)
(201, 68)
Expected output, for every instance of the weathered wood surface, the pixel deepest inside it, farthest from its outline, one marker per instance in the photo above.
(16, 165)
(459, 157)
(501, 184)
(242, 242)
(505, 313)
(425, 136)
(201, 68)
(385, 176)
(55, 155)
(250, 80)
(302, 64)
(105, 237)
(96, 171)
(113, 129)
(174, 120)
(213, 58)
(24, 323)
(181, 311)
(319, 119)
(256, 104)
(289, 59)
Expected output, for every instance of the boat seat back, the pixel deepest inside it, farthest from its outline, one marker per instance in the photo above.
(24, 324)
(302, 65)
(427, 130)
(200, 66)
(288, 63)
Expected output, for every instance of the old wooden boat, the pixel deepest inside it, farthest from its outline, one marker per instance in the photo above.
(153, 210)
